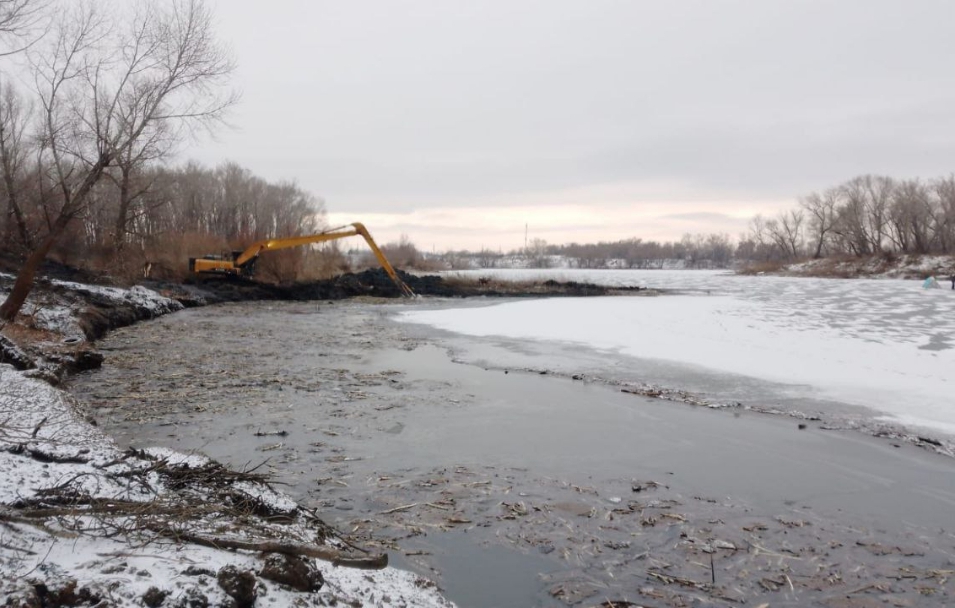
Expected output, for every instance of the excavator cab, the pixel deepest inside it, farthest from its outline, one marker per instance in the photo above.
(222, 264)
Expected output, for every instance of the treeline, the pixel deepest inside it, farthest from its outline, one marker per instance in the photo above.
(91, 96)
(866, 215)
(714, 250)
(153, 218)
(695, 250)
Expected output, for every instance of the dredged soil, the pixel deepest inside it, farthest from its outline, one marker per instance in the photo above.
(517, 488)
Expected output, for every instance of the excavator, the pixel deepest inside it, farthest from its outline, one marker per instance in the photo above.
(242, 263)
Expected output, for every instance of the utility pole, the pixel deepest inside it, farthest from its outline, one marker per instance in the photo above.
(525, 239)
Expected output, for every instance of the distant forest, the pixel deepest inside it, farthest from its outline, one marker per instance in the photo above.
(867, 215)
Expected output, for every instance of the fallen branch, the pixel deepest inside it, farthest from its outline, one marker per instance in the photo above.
(669, 579)
(39, 425)
(401, 508)
(337, 558)
(105, 507)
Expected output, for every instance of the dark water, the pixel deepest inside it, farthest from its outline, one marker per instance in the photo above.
(360, 399)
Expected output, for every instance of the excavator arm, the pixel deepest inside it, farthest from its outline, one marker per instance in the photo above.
(242, 261)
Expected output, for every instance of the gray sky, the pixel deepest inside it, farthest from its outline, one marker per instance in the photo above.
(458, 122)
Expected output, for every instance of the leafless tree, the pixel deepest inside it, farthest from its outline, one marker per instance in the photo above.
(132, 181)
(786, 232)
(944, 194)
(822, 217)
(878, 191)
(22, 24)
(537, 253)
(487, 258)
(719, 249)
(104, 87)
(911, 217)
(14, 119)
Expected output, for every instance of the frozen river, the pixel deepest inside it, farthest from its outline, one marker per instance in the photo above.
(817, 345)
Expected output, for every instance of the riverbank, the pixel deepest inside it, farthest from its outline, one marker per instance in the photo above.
(60, 475)
(567, 488)
(887, 266)
(83, 521)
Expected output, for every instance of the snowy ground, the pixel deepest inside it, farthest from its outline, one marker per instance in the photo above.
(83, 522)
(884, 345)
(58, 310)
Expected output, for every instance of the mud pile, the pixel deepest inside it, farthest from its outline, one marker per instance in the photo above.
(376, 283)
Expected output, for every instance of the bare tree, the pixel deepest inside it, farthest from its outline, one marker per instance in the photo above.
(878, 195)
(822, 217)
(851, 220)
(131, 180)
(911, 217)
(14, 118)
(22, 24)
(944, 191)
(786, 232)
(537, 253)
(719, 249)
(104, 89)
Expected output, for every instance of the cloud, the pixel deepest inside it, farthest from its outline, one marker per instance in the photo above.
(608, 214)
(731, 105)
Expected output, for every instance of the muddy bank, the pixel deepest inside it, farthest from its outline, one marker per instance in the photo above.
(69, 307)
(375, 283)
(571, 491)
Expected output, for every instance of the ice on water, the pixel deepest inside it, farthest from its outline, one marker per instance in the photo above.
(888, 345)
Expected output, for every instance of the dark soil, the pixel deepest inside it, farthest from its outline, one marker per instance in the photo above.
(374, 283)
(52, 269)
(100, 314)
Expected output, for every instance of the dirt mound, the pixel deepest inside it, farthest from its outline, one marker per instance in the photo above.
(377, 283)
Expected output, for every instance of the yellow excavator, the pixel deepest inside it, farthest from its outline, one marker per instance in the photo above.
(242, 263)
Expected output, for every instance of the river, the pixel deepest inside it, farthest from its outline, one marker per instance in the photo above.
(518, 472)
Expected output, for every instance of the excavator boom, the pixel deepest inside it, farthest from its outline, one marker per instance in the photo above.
(242, 262)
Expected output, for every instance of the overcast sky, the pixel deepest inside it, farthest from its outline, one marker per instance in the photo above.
(457, 123)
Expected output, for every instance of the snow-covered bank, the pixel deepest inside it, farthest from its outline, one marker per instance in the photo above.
(79, 519)
(68, 309)
(83, 522)
(885, 345)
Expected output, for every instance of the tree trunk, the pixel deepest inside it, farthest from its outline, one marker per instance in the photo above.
(13, 209)
(24, 283)
(122, 216)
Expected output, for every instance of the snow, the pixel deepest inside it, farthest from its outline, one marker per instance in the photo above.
(884, 345)
(59, 313)
(137, 295)
(176, 458)
(36, 418)
(272, 500)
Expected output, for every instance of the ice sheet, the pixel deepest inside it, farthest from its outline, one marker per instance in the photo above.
(886, 345)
